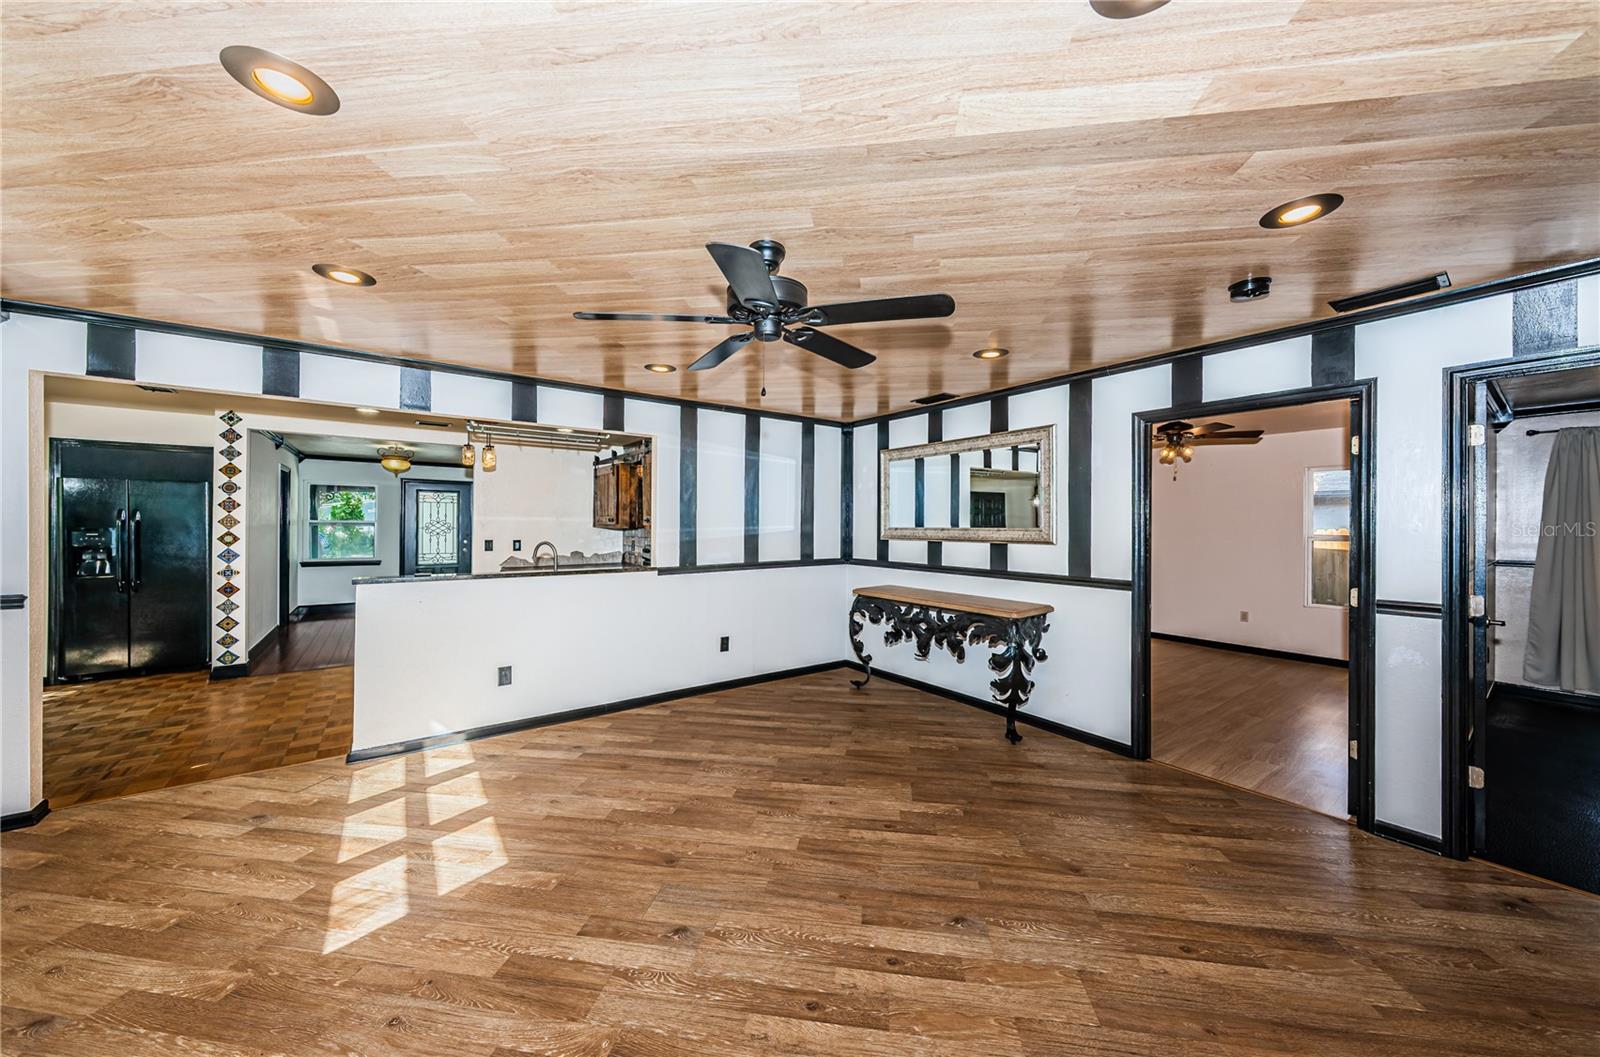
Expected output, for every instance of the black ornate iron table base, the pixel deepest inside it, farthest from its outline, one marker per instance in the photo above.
(1016, 643)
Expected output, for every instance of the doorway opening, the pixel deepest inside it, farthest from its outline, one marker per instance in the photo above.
(1523, 618)
(1252, 563)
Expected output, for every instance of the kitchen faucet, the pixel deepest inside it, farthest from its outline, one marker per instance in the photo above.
(555, 559)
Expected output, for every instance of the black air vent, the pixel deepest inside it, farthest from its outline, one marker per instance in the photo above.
(936, 398)
(156, 389)
(435, 425)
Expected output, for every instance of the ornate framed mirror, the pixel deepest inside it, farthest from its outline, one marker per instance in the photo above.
(998, 488)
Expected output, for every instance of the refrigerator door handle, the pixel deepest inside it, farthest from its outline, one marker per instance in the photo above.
(137, 555)
(122, 546)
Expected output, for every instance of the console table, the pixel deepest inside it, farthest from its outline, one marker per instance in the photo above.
(952, 622)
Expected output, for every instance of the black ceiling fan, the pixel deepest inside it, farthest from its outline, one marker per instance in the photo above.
(1177, 440)
(772, 304)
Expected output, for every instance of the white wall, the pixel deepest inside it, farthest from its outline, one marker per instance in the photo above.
(779, 498)
(261, 529)
(536, 494)
(662, 634)
(719, 488)
(325, 585)
(1228, 535)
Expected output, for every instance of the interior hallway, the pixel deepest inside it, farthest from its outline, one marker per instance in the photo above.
(715, 876)
(1274, 725)
(314, 639)
(118, 736)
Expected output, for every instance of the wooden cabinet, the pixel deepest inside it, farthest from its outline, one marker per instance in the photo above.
(621, 495)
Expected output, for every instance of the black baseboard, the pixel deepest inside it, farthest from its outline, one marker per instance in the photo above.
(24, 819)
(1544, 695)
(1063, 729)
(268, 641)
(1259, 651)
(229, 671)
(322, 610)
(1409, 837)
(401, 748)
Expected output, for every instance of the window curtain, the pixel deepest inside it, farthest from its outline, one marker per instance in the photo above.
(1564, 611)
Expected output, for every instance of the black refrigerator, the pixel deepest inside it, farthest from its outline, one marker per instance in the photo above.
(132, 562)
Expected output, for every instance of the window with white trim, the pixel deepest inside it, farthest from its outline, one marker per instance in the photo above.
(344, 522)
(1327, 536)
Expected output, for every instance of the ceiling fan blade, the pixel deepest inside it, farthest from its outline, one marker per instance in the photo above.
(1209, 428)
(1175, 426)
(1207, 442)
(1252, 434)
(746, 273)
(828, 347)
(883, 309)
(663, 317)
(721, 352)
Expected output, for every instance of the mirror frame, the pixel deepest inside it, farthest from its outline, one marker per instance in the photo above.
(1043, 436)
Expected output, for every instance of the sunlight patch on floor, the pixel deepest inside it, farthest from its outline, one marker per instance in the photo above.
(467, 854)
(371, 829)
(446, 758)
(379, 778)
(366, 902)
(449, 799)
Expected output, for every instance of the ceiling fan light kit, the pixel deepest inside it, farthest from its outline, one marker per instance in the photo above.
(776, 308)
(1177, 440)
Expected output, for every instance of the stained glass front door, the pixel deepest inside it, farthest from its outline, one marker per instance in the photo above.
(438, 528)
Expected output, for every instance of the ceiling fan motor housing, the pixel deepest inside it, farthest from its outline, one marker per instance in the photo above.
(791, 297)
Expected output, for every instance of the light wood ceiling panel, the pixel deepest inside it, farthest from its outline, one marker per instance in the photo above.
(1084, 188)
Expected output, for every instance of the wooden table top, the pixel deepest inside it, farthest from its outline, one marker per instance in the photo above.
(1005, 608)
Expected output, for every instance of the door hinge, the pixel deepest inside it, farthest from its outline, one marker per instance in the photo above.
(1476, 606)
(1355, 598)
(1355, 749)
(1474, 777)
(1355, 445)
(1477, 436)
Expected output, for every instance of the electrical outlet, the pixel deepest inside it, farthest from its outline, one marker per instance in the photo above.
(1244, 616)
(488, 545)
(516, 545)
(724, 647)
(505, 675)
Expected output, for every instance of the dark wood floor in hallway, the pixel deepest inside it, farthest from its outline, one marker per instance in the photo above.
(790, 868)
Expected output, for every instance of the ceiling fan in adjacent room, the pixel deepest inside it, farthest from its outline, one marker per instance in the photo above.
(1177, 440)
(774, 306)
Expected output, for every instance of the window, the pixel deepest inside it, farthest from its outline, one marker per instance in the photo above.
(1328, 537)
(343, 522)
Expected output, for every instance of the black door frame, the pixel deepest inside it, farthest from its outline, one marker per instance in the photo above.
(1363, 616)
(408, 541)
(1465, 636)
(285, 538)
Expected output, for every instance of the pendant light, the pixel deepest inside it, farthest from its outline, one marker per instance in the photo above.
(490, 460)
(469, 455)
(395, 459)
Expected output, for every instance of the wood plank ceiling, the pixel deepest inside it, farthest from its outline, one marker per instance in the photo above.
(1084, 188)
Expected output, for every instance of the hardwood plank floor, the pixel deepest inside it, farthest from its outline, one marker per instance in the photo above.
(119, 736)
(312, 641)
(791, 868)
(1269, 724)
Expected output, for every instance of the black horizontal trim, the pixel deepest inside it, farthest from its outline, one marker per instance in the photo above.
(400, 748)
(1410, 609)
(1063, 729)
(1450, 296)
(1410, 837)
(1544, 695)
(680, 570)
(13, 601)
(229, 671)
(24, 819)
(85, 315)
(310, 563)
(1259, 651)
(1099, 582)
(321, 611)
(1513, 563)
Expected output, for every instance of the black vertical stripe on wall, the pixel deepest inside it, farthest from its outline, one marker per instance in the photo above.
(1080, 474)
(808, 491)
(416, 389)
(999, 422)
(524, 402)
(280, 371)
(935, 432)
(111, 351)
(847, 493)
(877, 516)
(1188, 381)
(1544, 318)
(752, 488)
(688, 468)
(612, 412)
(1333, 356)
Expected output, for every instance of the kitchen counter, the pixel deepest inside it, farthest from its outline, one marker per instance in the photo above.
(574, 570)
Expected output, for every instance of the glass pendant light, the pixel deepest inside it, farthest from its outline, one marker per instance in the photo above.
(469, 455)
(490, 459)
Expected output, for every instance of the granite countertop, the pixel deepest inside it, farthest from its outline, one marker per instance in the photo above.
(575, 570)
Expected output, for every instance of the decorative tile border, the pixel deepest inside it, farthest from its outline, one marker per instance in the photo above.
(227, 521)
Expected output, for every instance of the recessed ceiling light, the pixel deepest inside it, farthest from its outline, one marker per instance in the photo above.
(563, 429)
(338, 273)
(279, 80)
(660, 368)
(1301, 211)
(991, 354)
(1125, 8)
(366, 411)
